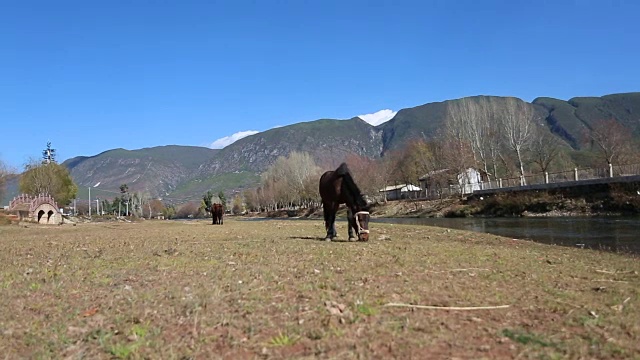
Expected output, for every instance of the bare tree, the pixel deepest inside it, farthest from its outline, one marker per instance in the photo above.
(457, 157)
(384, 169)
(611, 140)
(251, 200)
(412, 162)
(190, 209)
(518, 126)
(494, 148)
(545, 148)
(138, 201)
(468, 121)
(153, 208)
(370, 175)
(237, 205)
(474, 120)
(311, 195)
(287, 180)
(301, 168)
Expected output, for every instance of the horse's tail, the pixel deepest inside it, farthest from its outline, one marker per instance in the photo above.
(343, 171)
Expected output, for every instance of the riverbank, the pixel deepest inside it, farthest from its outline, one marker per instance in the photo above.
(616, 201)
(389, 209)
(274, 289)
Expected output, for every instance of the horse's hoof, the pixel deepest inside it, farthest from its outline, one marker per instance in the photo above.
(327, 239)
(353, 239)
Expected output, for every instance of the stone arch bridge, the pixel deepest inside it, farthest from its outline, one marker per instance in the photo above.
(41, 209)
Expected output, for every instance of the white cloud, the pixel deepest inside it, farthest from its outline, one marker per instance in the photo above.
(378, 117)
(228, 140)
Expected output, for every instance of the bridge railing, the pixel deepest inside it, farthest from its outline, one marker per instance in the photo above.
(626, 170)
(562, 176)
(576, 174)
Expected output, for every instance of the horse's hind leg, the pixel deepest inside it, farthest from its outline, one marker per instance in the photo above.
(334, 233)
(327, 222)
(334, 211)
(330, 223)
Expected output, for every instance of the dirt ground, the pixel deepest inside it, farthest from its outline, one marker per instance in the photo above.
(273, 289)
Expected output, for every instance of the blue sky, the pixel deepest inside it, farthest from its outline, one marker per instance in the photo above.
(90, 76)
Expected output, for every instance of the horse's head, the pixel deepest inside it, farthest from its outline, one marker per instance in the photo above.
(362, 225)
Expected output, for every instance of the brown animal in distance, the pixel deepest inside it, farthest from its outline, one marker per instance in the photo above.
(217, 212)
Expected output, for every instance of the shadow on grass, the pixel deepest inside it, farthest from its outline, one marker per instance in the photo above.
(319, 238)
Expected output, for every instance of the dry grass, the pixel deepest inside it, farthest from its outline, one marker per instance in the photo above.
(272, 289)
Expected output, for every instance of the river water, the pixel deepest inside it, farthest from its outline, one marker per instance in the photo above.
(605, 233)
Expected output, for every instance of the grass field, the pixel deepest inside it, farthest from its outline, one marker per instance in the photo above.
(273, 289)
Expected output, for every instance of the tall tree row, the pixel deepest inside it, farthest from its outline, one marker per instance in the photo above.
(503, 135)
(291, 181)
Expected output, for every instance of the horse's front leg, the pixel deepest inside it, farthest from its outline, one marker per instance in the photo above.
(351, 224)
(328, 222)
(332, 230)
(334, 211)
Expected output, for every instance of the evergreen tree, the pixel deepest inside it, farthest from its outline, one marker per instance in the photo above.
(48, 154)
(223, 199)
(206, 199)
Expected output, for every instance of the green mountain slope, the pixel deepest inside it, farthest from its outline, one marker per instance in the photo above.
(156, 170)
(427, 121)
(422, 121)
(328, 141)
(572, 119)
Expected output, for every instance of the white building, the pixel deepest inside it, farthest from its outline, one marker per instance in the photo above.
(402, 191)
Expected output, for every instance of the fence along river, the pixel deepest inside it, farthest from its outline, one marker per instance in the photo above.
(539, 181)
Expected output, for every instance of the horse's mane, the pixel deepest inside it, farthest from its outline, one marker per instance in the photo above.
(353, 192)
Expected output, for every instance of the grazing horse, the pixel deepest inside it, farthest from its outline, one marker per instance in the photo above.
(337, 187)
(217, 213)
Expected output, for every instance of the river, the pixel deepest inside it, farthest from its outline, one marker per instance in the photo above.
(604, 233)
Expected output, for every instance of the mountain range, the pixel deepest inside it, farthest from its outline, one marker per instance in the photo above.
(181, 173)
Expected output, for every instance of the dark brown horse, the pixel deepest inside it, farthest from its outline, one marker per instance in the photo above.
(217, 213)
(337, 187)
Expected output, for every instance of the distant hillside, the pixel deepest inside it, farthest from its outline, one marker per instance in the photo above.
(157, 170)
(425, 121)
(572, 119)
(422, 121)
(328, 141)
(181, 173)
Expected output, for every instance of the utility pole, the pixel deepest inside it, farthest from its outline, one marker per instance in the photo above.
(89, 200)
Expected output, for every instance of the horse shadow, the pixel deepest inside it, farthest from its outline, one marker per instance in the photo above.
(319, 238)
